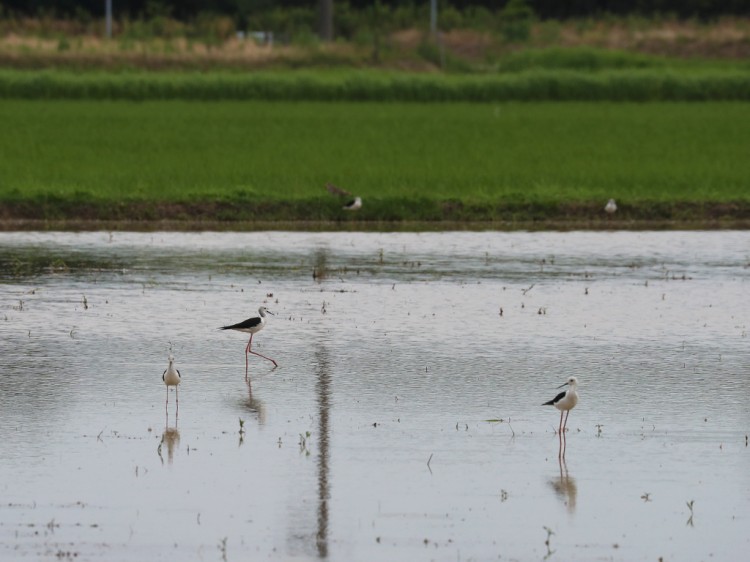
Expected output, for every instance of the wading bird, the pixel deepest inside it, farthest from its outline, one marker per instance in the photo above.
(565, 401)
(171, 377)
(610, 207)
(252, 326)
(354, 204)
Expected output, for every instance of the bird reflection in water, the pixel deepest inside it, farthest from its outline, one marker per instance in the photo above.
(171, 439)
(255, 405)
(565, 487)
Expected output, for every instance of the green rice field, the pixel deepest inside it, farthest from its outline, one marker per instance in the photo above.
(240, 160)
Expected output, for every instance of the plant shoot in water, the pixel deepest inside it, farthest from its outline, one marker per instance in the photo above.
(550, 532)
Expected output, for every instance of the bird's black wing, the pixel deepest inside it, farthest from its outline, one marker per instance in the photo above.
(164, 374)
(249, 323)
(178, 374)
(556, 399)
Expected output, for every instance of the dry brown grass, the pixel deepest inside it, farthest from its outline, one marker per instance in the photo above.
(95, 52)
(727, 38)
(43, 43)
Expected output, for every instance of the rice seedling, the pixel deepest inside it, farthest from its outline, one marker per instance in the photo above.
(528, 162)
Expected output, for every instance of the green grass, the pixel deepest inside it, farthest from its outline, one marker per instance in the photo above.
(537, 83)
(237, 160)
(593, 59)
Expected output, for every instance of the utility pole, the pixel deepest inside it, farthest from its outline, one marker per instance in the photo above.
(433, 17)
(108, 11)
(326, 20)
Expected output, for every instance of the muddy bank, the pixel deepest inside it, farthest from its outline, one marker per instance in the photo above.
(375, 216)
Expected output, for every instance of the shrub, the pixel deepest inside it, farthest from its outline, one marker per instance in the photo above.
(515, 21)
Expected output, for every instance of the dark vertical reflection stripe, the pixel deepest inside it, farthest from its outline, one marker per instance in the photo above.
(323, 389)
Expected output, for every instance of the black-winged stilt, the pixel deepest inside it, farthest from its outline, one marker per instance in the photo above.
(565, 401)
(610, 207)
(354, 204)
(172, 377)
(252, 326)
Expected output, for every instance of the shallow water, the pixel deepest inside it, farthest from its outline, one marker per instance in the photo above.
(404, 420)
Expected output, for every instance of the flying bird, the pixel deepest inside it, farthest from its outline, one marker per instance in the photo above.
(353, 204)
(252, 326)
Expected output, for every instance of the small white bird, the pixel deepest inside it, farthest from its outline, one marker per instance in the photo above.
(565, 401)
(610, 207)
(252, 326)
(354, 204)
(172, 377)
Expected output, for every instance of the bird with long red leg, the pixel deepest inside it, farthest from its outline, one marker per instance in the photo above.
(252, 326)
(172, 377)
(565, 402)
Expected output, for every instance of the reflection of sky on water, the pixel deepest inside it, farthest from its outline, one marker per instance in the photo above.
(395, 354)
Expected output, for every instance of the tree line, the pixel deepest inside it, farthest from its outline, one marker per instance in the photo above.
(241, 10)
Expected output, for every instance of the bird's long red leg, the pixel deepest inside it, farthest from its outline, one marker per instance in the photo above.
(166, 404)
(264, 357)
(247, 351)
(560, 437)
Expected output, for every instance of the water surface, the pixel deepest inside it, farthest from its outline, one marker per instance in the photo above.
(404, 421)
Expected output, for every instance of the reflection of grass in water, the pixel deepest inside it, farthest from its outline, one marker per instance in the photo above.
(690, 507)
(223, 548)
(303, 448)
(550, 552)
(320, 265)
(32, 261)
(500, 420)
(58, 265)
(18, 267)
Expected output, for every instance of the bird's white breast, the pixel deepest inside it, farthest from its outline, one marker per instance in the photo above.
(171, 377)
(568, 402)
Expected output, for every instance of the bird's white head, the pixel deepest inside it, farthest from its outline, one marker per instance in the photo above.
(263, 311)
(572, 382)
(170, 358)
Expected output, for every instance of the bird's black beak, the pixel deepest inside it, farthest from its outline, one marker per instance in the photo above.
(269, 312)
(562, 385)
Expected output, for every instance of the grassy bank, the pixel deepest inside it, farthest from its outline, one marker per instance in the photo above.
(261, 160)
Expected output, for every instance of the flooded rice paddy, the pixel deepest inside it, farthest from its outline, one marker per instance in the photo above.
(404, 421)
